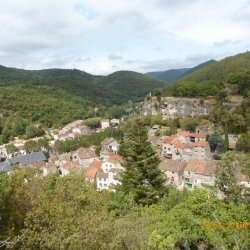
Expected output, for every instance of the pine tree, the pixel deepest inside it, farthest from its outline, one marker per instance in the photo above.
(142, 177)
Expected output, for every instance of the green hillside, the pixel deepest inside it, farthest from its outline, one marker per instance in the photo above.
(231, 74)
(172, 75)
(54, 97)
(116, 88)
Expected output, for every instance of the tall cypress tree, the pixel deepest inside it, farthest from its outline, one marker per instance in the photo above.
(142, 178)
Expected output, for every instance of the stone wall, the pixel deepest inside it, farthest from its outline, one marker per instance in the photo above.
(173, 107)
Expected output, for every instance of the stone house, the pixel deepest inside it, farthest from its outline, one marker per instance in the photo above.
(92, 171)
(71, 131)
(201, 150)
(83, 156)
(71, 167)
(108, 175)
(199, 174)
(3, 151)
(111, 145)
(174, 171)
(185, 146)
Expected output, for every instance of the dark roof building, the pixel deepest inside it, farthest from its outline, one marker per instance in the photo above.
(5, 167)
(28, 159)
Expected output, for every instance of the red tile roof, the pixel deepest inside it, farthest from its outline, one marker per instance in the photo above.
(184, 133)
(171, 139)
(94, 167)
(181, 145)
(115, 157)
(200, 144)
(198, 135)
(202, 167)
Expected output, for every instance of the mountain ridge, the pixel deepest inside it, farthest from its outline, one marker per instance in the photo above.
(173, 75)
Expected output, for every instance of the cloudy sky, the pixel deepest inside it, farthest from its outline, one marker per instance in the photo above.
(103, 36)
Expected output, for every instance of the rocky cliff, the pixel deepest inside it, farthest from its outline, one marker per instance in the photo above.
(173, 107)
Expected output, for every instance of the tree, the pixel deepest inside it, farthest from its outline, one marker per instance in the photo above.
(243, 143)
(142, 176)
(11, 149)
(67, 213)
(31, 146)
(227, 172)
(216, 142)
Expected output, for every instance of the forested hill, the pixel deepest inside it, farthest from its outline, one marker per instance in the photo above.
(116, 88)
(54, 97)
(231, 74)
(172, 75)
(221, 70)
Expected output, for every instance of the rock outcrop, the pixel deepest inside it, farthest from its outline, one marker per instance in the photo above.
(173, 107)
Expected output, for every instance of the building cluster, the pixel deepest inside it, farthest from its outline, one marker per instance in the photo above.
(106, 174)
(186, 159)
(71, 131)
(104, 170)
(185, 146)
(36, 159)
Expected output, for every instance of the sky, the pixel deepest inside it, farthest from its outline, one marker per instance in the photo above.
(104, 36)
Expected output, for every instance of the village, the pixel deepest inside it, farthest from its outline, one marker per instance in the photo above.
(186, 157)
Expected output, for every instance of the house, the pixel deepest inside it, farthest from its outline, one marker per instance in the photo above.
(35, 158)
(199, 174)
(201, 150)
(185, 146)
(6, 167)
(108, 175)
(92, 171)
(3, 151)
(29, 159)
(102, 180)
(174, 171)
(168, 146)
(105, 123)
(83, 156)
(111, 145)
(70, 166)
(62, 159)
(71, 131)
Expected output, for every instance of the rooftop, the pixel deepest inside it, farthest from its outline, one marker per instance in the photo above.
(172, 165)
(94, 167)
(200, 144)
(28, 159)
(201, 167)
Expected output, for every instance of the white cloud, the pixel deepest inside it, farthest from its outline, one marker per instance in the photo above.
(68, 33)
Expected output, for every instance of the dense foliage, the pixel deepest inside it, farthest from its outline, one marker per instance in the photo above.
(142, 178)
(54, 212)
(209, 80)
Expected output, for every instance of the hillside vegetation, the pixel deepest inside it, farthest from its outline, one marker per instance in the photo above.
(56, 96)
(230, 74)
(172, 75)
